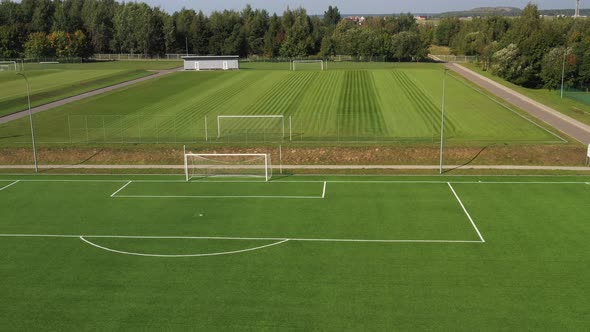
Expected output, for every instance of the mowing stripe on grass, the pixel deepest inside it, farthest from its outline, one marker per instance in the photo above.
(563, 140)
(466, 212)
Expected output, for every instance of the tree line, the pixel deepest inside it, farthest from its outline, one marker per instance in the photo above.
(38, 28)
(530, 50)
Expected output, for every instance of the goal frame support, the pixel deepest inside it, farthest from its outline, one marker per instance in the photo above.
(10, 63)
(265, 155)
(308, 61)
(220, 117)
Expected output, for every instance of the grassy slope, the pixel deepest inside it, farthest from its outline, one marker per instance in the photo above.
(50, 83)
(402, 102)
(531, 274)
(570, 107)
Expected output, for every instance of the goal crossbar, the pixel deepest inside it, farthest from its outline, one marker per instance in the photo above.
(235, 164)
(221, 117)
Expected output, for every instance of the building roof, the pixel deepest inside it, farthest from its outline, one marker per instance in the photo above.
(211, 57)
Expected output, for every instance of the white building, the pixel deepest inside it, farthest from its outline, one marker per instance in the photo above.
(211, 62)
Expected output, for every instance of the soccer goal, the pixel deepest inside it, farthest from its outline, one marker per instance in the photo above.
(233, 164)
(308, 64)
(255, 125)
(8, 66)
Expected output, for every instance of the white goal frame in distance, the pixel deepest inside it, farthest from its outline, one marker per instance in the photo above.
(267, 165)
(307, 61)
(220, 117)
(10, 63)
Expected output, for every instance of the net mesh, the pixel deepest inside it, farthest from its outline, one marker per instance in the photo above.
(236, 165)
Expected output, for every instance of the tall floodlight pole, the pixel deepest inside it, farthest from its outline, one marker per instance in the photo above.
(563, 72)
(186, 44)
(442, 120)
(31, 121)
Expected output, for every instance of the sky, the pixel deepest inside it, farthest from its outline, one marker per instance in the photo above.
(356, 7)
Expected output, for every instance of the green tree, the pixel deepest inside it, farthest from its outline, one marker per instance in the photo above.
(332, 16)
(37, 45)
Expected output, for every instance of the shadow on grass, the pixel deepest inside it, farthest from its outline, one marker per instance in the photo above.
(469, 162)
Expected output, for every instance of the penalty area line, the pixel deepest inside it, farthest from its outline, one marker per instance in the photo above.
(120, 189)
(10, 185)
(466, 212)
(234, 238)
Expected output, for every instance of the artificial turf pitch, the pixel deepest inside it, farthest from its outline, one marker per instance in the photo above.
(326, 253)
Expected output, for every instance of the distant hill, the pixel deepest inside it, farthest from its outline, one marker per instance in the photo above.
(484, 11)
(508, 11)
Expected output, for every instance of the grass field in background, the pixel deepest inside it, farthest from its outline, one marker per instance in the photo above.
(350, 102)
(368, 253)
(552, 98)
(50, 82)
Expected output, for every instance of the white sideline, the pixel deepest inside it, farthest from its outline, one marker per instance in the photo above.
(310, 181)
(466, 212)
(180, 256)
(10, 185)
(120, 189)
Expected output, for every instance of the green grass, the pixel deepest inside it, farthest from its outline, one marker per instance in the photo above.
(54, 82)
(530, 274)
(386, 102)
(552, 98)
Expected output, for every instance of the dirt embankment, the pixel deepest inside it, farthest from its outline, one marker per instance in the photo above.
(542, 155)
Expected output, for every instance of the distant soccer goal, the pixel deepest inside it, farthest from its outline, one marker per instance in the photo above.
(308, 64)
(254, 125)
(234, 165)
(8, 66)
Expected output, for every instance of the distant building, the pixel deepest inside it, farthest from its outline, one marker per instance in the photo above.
(421, 17)
(210, 62)
(356, 19)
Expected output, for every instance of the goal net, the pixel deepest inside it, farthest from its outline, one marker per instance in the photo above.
(251, 127)
(234, 165)
(8, 66)
(308, 64)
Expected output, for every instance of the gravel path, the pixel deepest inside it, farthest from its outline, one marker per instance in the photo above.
(560, 121)
(42, 108)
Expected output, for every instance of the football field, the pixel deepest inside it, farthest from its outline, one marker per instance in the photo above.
(349, 103)
(315, 252)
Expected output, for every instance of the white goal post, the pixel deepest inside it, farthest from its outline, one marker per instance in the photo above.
(295, 62)
(280, 118)
(8, 65)
(198, 165)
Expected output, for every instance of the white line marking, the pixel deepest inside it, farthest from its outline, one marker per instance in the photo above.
(123, 187)
(181, 256)
(233, 238)
(317, 181)
(466, 212)
(324, 191)
(266, 197)
(10, 185)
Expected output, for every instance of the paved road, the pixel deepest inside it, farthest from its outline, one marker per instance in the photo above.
(563, 123)
(42, 108)
(324, 167)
